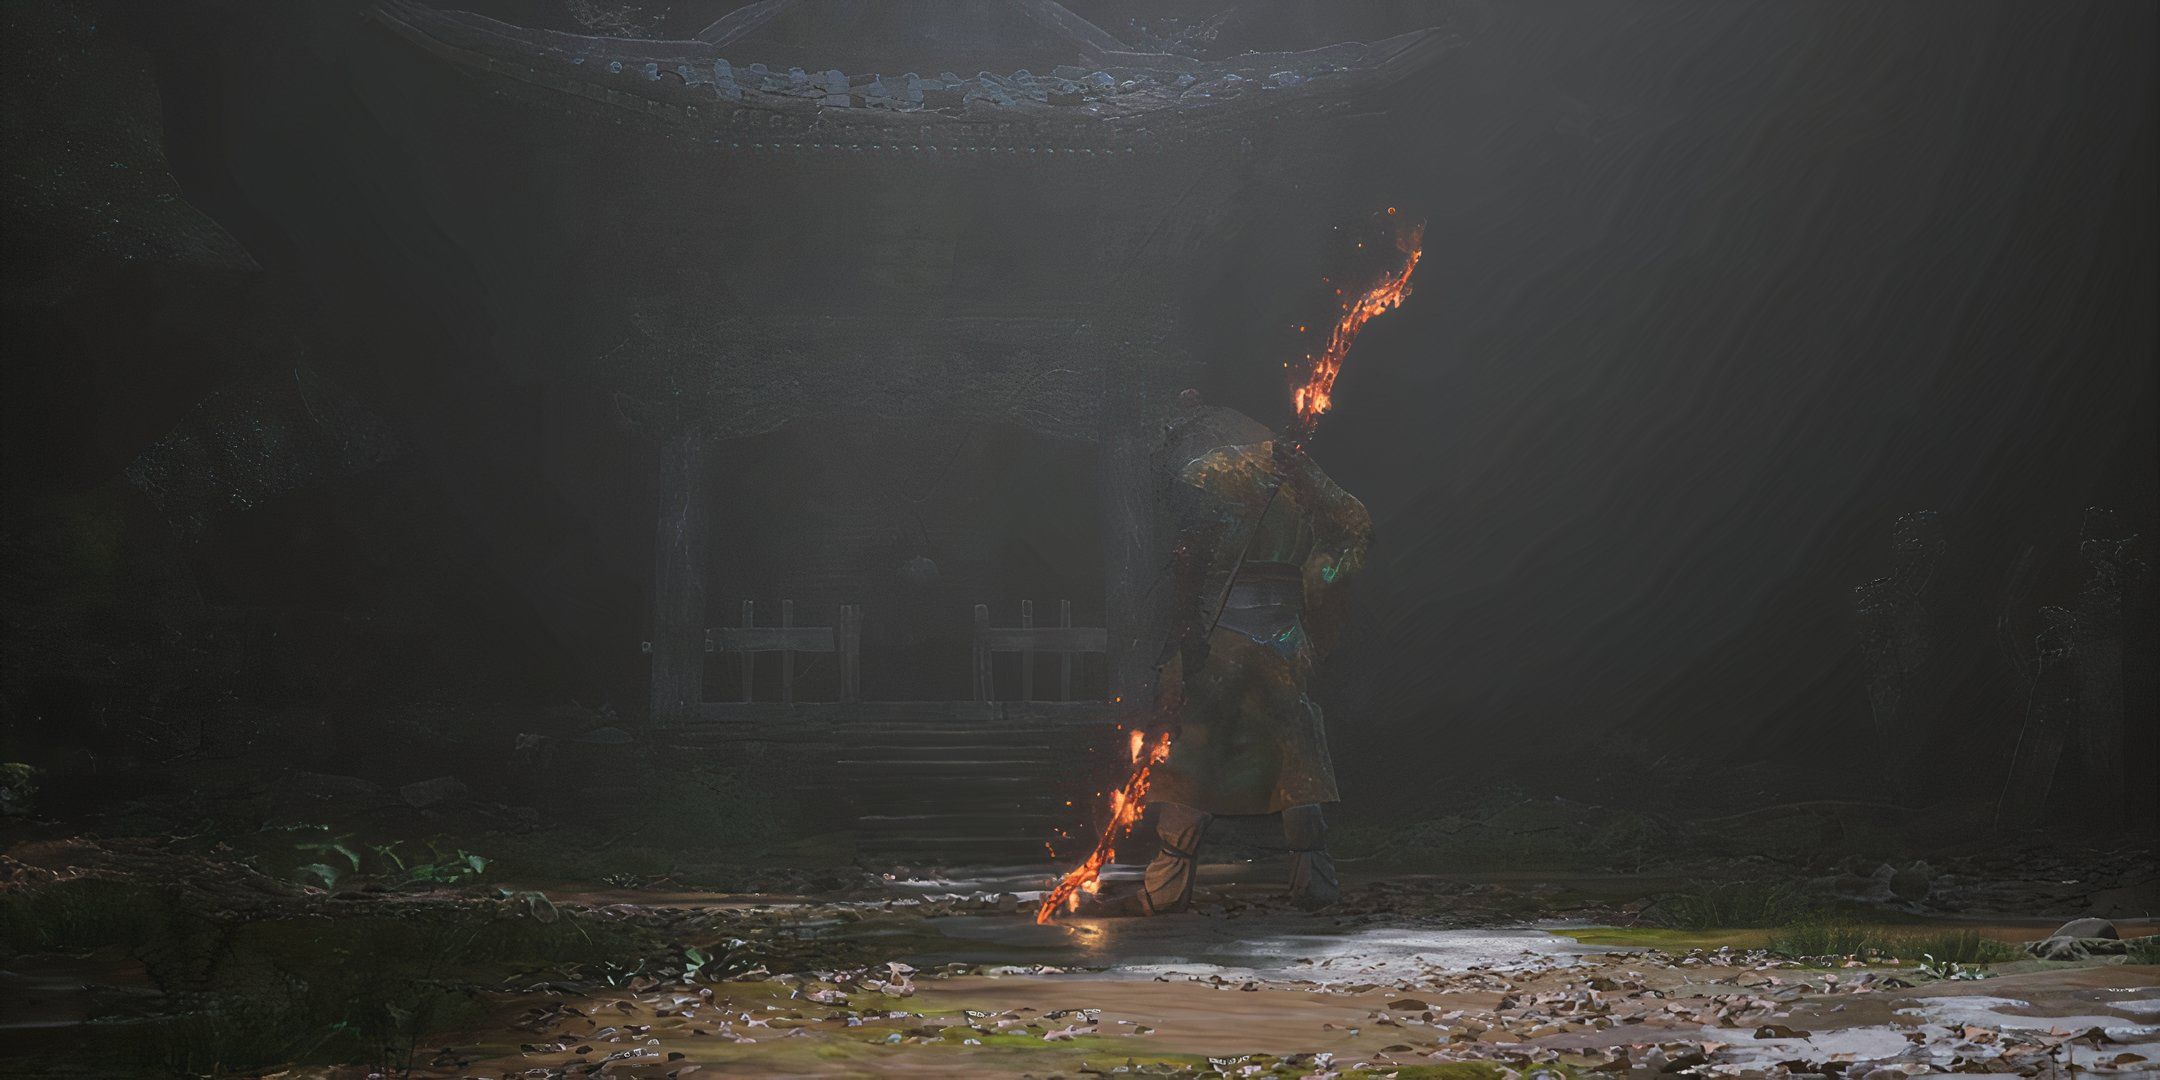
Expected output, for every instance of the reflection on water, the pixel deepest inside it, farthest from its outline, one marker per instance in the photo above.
(1271, 946)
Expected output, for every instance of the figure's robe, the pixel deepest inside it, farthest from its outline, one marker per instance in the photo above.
(1248, 739)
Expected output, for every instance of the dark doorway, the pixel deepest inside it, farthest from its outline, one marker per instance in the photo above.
(915, 521)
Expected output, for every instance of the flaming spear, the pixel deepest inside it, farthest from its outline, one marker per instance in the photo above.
(1312, 398)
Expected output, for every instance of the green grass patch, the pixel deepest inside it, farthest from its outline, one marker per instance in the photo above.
(1814, 937)
(1817, 937)
(1729, 905)
(1667, 938)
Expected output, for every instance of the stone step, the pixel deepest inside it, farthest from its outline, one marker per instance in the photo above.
(1021, 733)
(949, 766)
(944, 778)
(1040, 826)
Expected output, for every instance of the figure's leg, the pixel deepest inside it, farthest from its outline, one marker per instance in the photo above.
(1168, 885)
(1312, 873)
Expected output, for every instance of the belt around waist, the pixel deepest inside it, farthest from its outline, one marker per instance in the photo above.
(1268, 585)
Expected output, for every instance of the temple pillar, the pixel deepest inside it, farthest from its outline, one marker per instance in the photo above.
(678, 631)
(1128, 523)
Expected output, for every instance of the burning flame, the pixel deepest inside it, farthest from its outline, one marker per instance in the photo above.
(1318, 392)
(1125, 806)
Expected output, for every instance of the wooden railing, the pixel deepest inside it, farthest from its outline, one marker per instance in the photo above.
(1027, 639)
(843, 640)
(787, 639)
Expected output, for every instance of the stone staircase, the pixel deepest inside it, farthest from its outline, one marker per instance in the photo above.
(954, 783)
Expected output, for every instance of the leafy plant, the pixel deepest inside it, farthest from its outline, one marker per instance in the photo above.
(617, 974)
(540, 907)
(726, 961)
(335, 846)
(323, 872)
(440, 867)
(451, 869)
(694, 959)
(1948, 969)
(2145, 950)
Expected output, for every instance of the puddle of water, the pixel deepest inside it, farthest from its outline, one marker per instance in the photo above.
(1284, 946)
(1029, 883)
(2000, 1012)
(1873, 1043)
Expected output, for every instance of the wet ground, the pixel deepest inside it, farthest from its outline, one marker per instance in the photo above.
(1254, 990)
(1655, 1016)
(1411, 976)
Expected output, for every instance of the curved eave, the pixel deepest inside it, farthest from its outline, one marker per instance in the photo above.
(677, 80)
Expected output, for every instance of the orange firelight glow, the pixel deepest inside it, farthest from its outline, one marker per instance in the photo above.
(1318, 392)
(1125, 806)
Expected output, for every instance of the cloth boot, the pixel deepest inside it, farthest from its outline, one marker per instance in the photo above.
(1168, 884)
(1312, 874)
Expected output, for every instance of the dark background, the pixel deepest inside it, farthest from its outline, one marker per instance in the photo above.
(1712, 295)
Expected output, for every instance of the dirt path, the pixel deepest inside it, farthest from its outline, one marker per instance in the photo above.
(1374, 999)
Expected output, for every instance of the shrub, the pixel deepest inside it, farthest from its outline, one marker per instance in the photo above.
(79, 914)
(1728, 906)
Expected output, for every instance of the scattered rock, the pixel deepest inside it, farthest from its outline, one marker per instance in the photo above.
(2080, 939)
(2087, 928)
(2075, 948)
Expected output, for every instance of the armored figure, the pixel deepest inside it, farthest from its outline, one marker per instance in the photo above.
(1265, 542)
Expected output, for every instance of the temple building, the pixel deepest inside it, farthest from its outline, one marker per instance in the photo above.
(853, 394)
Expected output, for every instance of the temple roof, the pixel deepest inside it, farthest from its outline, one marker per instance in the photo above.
(965, 35)
(967, 60)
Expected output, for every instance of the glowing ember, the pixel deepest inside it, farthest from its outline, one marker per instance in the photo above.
(1125, 806)
(1318, 392)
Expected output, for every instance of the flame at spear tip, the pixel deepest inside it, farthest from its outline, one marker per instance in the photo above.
(1317, 393)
